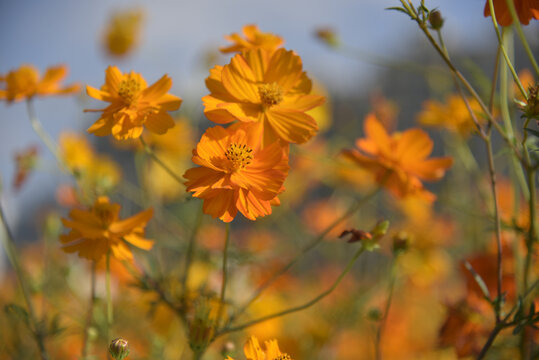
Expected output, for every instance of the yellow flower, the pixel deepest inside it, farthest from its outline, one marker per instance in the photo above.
(98, 230)
(253, 351)
(133, 105)
(24, 83)
(123, 32)
(254, 39)
(453, 115)
(274, 93)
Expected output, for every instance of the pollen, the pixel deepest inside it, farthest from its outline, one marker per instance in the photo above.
(239, 155)
(283, 357)
(129, 89)
(270, 94)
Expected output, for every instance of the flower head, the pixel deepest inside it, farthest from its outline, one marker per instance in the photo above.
(254, 39)
(98, 230)
(453, 115)
(236, 174)
(253, 351)
(133, 105)
(526, 10)
(123, 32)
(25, 83)
(273, 92)
(398, 161)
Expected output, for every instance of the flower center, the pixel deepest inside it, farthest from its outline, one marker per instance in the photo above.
(270, 94)
(239, 155)
(104, 213)
(129, 89)
(283, 357)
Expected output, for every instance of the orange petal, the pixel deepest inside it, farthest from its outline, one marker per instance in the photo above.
(431, 169)
(157, 90)
(239, 80)
(127, 225)
(159, 123)
(292, 126)
(141, 243)
(284, 68)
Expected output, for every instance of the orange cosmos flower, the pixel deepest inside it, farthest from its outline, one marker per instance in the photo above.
(98, 230)
(24, 83)
(526, 10)
(123, 32)
(274, 92)
(133, 105)
(253, 351)
(236, 174)
(254, 39)
(398, 161)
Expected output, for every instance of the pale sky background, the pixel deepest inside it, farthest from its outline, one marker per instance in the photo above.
(176, 34)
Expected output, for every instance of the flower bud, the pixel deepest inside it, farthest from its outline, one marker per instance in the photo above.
(435, 20)
(380, 229)
(119, 349)
(328, 36)
(531, 107)
(401, 242)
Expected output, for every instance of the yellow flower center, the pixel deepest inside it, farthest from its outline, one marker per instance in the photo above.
(129, 89)
(105, 213)
(239, 155)
(283, 357)
(270, 94)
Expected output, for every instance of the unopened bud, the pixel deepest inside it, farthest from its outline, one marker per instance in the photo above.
(119, 349)
(531, 108)
(435, 20)
(328, 36)
(380, 229)
(401, 242)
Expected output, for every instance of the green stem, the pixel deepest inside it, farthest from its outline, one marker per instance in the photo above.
(38, 128)
(9, 245)
(391, 287)
(191, 251)
(225, 275)
(352, 210)
(110, 316)
(516, 21)
(160, 162)
(89, 317)
(300, 307)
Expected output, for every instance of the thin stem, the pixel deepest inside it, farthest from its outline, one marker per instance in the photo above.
(89, 316)
(353, 209)
(383, 321)
(516, 21)
(490, 340)
(296, 308)
(160, 162)
(507, 60)
(190, 251)
(38, 128)
(110, 317)
(9, 244)
(225, 274)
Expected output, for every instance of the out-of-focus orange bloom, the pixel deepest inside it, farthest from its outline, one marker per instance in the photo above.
(253, 351)
(398, 161)
(122, 33)
(526, 10)
(453, 115)
(98, 230)
(254, 39)
(321, 214)
(134, 105)
(274, 93)
(235, 173)
(25, 162)
(385, 110)
(24, 83)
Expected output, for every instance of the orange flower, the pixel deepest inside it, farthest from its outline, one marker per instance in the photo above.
(98, 230)
(453, 115)
(253, 351)
(254, 39)
(133, 105)
(236, 174)
(398, 161)
(273, 92)
(24, 83)
(123, 32)
(526, 10)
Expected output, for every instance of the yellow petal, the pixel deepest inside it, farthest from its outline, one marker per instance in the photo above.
(127, 225)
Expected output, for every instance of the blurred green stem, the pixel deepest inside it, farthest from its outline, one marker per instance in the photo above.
(160, 162)
(110, 316)
(225, 275)
(11, 253)
(89, 317)
(191, 247)
(297, 308)
(38, 128)
(380, 330)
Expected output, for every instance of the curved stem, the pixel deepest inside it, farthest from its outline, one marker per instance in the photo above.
(38, 128)
(89, 316)
(354, 208)
(225, 274)
(160, 162)
(296, 308)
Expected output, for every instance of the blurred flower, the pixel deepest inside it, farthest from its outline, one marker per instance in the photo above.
(398, 161)
(133, 105)
(235, 173)
(254, 39)
(25, 162)
(321, 214)
(328, 36)
(453, 115)
(24, 83)
(386, 110)
(122, 33)
(253, 351)
(97, 172)
(321, 114)
(526, 10)
(274, 93)
(98, 230)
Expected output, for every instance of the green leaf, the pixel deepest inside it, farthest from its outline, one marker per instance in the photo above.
(17, 312)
